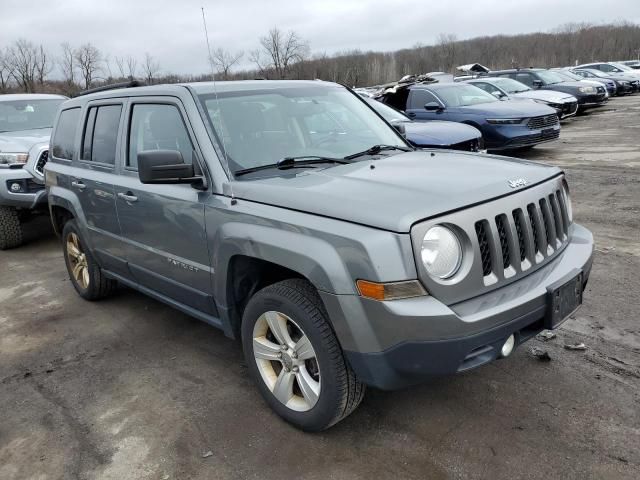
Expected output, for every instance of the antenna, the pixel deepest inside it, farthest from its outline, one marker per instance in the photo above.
(215, 92)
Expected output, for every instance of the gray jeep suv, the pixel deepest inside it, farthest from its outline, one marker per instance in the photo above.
(25, 127)
(291, 215)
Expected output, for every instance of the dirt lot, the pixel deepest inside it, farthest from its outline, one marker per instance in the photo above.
(129, 388)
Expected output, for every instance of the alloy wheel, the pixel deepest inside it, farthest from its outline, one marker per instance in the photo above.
(286, 361)
(78, 263)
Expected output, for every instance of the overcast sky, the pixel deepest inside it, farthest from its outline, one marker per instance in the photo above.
(171, 30)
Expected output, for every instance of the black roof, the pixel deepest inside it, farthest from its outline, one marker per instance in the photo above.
(516, 70)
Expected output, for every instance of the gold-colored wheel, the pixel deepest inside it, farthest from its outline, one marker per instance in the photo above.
(78, 264)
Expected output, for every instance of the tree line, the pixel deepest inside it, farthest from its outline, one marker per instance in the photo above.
(28, 67)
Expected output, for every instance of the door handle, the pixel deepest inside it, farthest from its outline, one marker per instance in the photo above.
(128, 197)
(411, 114)
(79, 185)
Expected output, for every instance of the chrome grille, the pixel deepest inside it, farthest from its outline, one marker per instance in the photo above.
(42, 161)
(544, 121)
(530, 237)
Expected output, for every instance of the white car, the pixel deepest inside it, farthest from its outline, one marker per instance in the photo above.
(506, 88)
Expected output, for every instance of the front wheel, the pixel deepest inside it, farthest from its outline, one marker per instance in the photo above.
(10, 228)
(295, 358)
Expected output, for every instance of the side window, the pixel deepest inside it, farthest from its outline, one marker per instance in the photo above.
(63, 141)
(485, 86)
(419, 98)
(607, 68)
(101, 134)
(157, 127)
(525, 78)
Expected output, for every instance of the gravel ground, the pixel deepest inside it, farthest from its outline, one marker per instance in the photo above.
(129, 388)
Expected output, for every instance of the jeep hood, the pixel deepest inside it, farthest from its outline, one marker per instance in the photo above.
(401, 190)
(23, 140)
(439, 133)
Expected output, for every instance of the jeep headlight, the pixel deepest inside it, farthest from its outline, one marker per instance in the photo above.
(441, 252)
(587, 89)
(13, 158)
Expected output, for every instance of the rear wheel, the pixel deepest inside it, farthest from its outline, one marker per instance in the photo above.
(295, 358)
(84, 272)
(10, 228)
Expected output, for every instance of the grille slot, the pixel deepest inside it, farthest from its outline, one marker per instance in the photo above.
(548, 223)
(531, 210)
(555, 210)
(517, 221)
(42, 161)
(501, 221)
(544, 121)
(485, 248)
(563, 212)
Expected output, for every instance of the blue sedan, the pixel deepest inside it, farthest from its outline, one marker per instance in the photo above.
(504, 125)
(434, 134)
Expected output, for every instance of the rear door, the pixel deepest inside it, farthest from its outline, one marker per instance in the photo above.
(94, 182)
(163, 226)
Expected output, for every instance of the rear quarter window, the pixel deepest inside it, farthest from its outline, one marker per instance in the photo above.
(63, 141)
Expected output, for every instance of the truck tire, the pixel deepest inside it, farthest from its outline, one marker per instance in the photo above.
(10, 228)
(85, 274)
(294, 357)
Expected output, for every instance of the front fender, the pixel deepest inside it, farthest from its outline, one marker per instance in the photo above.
(314, 258)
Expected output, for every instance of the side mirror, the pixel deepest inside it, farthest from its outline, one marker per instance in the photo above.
(498, 94)
(537, 83)
(165, 166)
(433, 107)
(399, 126)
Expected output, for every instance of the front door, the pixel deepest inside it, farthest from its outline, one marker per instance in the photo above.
(163, 226)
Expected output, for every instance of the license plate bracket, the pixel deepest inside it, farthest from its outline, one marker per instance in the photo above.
(563, 299)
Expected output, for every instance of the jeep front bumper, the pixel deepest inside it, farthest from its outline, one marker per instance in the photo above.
(394, 344)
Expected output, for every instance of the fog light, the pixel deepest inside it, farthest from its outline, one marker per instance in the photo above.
(507, 348)
(16, 187)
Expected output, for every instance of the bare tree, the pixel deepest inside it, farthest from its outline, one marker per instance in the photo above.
(22, 58)
(224, 61)
(89, 61)
(132, 65)
(5, 71)
(150, 67)
(67, 63)
(282, 50)
(127, 66)
(447, 46)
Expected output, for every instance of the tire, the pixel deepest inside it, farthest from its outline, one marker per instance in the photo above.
(90, 282)
(10, 228)
(297, 305)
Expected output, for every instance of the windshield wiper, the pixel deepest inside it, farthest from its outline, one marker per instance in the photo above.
(291, 162)
(377, 149)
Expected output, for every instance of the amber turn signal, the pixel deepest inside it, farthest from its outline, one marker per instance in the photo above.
(390, 291)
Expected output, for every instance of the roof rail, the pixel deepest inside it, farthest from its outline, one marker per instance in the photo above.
(112, 86)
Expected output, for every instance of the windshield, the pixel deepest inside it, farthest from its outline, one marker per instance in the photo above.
(463, 95)
(509, 85)
(570, 75)
(621, 66)
(596, 73)
(17, 115)
(388, 113)
(549, 78)
(261, 127)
